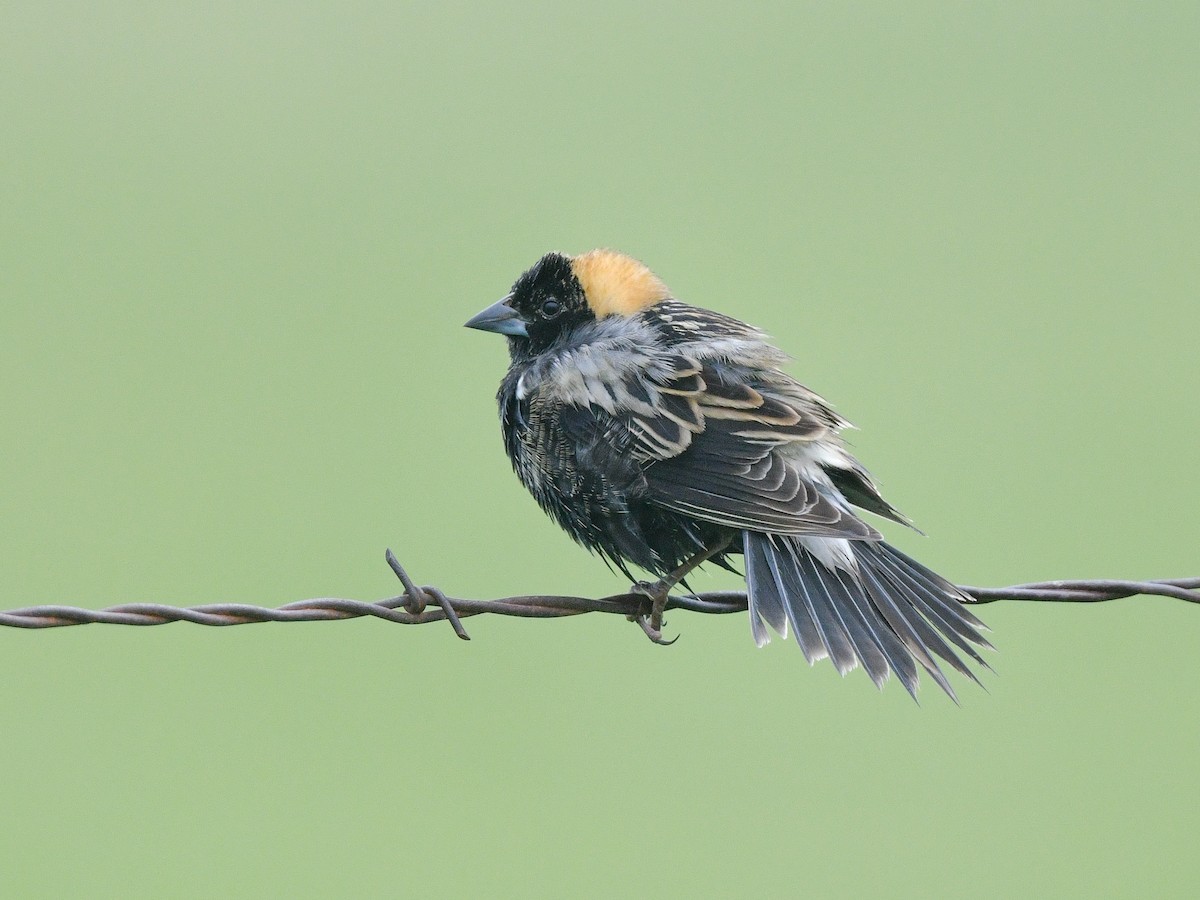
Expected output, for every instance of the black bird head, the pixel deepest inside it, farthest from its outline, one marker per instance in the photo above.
(559, 293)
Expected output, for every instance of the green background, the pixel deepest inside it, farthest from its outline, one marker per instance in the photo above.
(237, 248)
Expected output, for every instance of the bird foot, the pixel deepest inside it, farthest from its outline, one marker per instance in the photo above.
(652, 622)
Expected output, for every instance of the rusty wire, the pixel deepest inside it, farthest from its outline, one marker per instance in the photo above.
(419, 605)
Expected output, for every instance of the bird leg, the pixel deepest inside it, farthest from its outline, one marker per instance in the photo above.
(657, 592)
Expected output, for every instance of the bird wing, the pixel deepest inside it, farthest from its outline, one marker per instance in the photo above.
(707, 441)
(724, 451)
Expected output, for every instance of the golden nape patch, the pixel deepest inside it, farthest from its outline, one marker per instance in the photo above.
(616, 284)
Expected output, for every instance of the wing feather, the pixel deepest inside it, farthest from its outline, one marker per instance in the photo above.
(697, 402)
(723, 457)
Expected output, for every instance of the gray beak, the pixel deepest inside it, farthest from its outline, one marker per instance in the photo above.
(500, 318)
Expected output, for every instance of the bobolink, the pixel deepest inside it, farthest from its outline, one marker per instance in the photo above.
(664, 435)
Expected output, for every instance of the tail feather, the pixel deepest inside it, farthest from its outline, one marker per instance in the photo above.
(766, 604)
(931, 600)
(907, 627)
(837, 631)
(813, 644)
(844, 617)
(940, 588)
(889, 654)
(868, 604)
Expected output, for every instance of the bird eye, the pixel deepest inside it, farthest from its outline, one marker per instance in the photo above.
(551, 307)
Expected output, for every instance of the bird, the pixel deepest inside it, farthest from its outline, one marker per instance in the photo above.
(663, 436)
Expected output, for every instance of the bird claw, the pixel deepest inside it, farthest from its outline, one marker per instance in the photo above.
(655, 635)
(656, 592)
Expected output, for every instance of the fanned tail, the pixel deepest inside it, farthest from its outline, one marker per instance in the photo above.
(860, 603)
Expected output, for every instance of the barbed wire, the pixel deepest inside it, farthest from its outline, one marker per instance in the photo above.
(420, 605)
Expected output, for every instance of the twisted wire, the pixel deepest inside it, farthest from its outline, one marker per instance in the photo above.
(419, 605)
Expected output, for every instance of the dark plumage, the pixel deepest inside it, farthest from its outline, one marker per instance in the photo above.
(655, 432)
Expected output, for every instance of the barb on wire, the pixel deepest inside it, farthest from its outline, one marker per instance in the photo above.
(420, 605)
